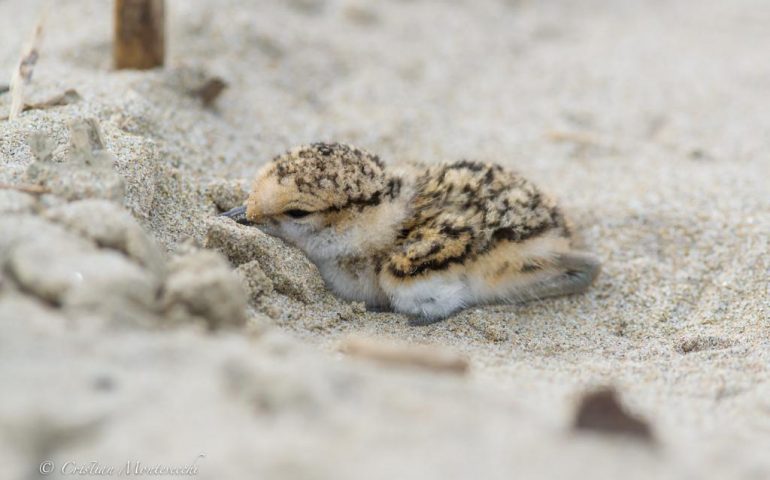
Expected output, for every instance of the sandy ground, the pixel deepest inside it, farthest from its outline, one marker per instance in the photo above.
(647, 119)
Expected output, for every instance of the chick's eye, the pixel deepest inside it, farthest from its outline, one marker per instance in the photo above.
(295, 213)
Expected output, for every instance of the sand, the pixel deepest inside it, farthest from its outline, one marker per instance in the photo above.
(647, 120)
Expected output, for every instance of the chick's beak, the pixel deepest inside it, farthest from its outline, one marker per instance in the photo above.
(238, 214)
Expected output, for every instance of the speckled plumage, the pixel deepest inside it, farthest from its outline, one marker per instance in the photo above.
(424, 242)
(464, 209)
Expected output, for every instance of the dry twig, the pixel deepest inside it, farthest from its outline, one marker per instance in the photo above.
(68, 97)
(423, 356)
(22, 74)
(579, 138)
(26, 188)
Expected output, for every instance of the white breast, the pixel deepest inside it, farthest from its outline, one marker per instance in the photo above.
(355, 284)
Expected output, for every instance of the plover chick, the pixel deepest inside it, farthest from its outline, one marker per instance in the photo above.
(424, 243)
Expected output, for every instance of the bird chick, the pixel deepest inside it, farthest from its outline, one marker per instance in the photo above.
(425, 243)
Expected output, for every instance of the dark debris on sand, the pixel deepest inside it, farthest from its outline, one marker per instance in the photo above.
(601, 411)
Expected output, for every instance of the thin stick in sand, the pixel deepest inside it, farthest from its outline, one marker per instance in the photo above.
(68, 97)
(422, 356)
(22, 74)
(139, 35)
(33, 189)
(573, 137)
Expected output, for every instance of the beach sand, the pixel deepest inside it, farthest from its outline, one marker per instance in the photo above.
(124, 340)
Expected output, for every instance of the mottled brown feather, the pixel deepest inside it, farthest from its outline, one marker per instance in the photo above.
(463, 209)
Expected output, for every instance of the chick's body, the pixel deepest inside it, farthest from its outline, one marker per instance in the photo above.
(425, 243)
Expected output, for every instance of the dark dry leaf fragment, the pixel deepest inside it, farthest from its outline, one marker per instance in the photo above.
(210, 90)
(601, 411)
